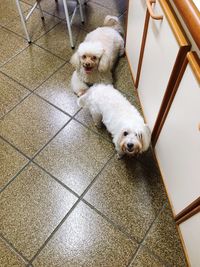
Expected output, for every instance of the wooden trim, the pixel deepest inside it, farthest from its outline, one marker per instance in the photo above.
(144, 36)
(191, 17)
(132, 75)
(183, 245)
(188, 209)
(189, 215)
(174, 23)
(178, 70)
(126, 23)
(194, 61)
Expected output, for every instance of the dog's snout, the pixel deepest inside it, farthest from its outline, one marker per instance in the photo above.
(87, 64)
(130, 145)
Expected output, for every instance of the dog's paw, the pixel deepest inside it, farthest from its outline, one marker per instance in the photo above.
(81, 92)
(98, 125)
(120, 156)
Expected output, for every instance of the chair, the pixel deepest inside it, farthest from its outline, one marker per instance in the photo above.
(24, 19)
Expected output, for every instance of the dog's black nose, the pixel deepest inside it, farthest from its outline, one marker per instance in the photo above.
(87, 64)
(130, 145)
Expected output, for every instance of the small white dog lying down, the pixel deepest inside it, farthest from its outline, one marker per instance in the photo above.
(106, 104)
(96, 56)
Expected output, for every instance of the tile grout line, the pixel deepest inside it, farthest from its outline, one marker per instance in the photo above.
(33, 91)
(87, 127)
(46, 11)
(12, 57)
(13, 79)
(61, 110)
(45, 49)
(14, 147)
(56, 179)
(141, 242)
(111, 222)
(31, 159)
(68, 213)
(14, 177)
(22, 100)
(14, 249)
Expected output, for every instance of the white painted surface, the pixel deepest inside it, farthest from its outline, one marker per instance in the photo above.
(135, 27)
(197, 3)
(159, 57)
(190, 231)
(178, 146)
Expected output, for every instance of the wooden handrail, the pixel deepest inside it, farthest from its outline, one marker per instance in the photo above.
(149, 7)
(191, 17)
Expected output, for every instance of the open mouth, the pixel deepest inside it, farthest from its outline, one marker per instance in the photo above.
(130, 150)
(88, 69)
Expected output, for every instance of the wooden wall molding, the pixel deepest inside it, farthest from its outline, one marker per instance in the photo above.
(191, 17)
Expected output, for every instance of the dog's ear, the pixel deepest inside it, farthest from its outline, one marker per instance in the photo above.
(146, 137)
(75, 61)
(104, 63)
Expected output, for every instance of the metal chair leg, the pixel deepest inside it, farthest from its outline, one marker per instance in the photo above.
(41, 12)
(23, 21)
(68, 23)
(81, 10)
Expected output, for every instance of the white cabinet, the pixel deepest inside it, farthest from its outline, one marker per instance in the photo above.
(190, 232)
(135, 26)
(178, 145)
(165, 48)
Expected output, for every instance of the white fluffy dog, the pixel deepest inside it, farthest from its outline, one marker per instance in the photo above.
(96, 56)
(106, 104)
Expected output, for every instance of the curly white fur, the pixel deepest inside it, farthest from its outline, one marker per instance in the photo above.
(106, 44)
(106, 104)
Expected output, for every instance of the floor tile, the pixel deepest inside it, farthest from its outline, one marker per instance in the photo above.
(11, 161)
(11, 94)
(31, 208)
(35, 25)
(164, 241)
(128, 194)
(54, 8)
(145, 259)
(9, 11)
(75, 156)
(32, 67)
(122, 77)
(8, 258)
(94, 16)
(119, 6)
(57, 90)
(86, 239)
(57, 40)
(85, 117)
(123, 20)
(31, 124)
(11, 44)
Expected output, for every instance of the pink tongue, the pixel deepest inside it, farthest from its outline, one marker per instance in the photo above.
(88, 70)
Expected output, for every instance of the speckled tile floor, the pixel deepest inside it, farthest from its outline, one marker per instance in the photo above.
(65, 198)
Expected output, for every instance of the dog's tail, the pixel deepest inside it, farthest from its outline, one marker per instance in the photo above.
(113, 22)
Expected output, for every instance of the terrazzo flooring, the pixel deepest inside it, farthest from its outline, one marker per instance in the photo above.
(65, 198)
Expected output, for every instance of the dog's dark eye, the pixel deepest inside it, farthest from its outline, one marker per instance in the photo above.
(125, 133)
(94, 58)
(84, 57)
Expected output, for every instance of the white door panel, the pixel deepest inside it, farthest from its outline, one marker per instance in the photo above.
(135, 27)
(178, 145)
